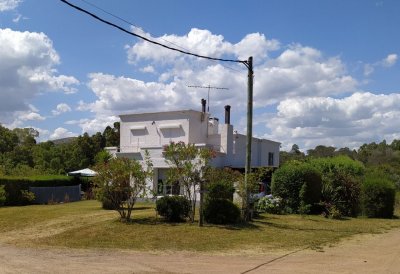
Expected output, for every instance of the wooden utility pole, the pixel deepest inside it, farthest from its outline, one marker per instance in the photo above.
(246, 199)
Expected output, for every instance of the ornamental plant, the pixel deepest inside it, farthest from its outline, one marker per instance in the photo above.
(121, 181)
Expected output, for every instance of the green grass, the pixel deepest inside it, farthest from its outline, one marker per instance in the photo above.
(85, 225)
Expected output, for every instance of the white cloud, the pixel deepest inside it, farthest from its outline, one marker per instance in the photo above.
(390, 60)
(61, 133)
(98, 124)
(387, 62)
(31, 116)
(201, 42)
(27, 70)
(61, 108)
(351, 121)
(301, 72)
(9, 4)
(296, 72)
(368, 69)
(300, 81)
(148, 69)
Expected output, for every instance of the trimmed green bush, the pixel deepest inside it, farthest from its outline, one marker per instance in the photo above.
(378, 198)
(173, 208)
(299, 185)
(221, 211)
(16, 187)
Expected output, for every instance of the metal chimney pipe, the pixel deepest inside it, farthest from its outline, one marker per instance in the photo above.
(227, 114)
(203, 105)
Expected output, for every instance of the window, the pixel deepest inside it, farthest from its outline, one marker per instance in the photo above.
(164, 187)
(138, 135)
(168, 189)
(270, 158)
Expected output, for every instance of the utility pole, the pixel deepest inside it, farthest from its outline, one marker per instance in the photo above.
(208, 94)
(246, 199)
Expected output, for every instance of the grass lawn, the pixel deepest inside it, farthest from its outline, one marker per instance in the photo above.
(85, 225)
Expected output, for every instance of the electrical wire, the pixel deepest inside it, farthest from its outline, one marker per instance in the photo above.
(129, 23)
(152, 41)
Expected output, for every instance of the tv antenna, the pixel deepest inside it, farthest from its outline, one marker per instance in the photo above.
(208, 93)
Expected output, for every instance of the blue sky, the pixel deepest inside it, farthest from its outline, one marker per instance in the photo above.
(326, 72)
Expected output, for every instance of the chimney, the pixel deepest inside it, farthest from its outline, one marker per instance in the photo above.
(203, 105)
(227, 114)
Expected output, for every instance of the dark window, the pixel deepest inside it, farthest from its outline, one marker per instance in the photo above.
(270, 158)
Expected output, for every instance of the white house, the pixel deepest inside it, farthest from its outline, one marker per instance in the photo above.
(151, 131)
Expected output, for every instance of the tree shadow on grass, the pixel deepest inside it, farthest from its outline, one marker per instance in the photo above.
(142, 208)
(237, 226)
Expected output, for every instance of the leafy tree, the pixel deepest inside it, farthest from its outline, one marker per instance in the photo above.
(102, 157)
(321, 151)
(8, 140)
(188, 165)
(293, 154)
(346, 152)
(122, 181)
(111, 135)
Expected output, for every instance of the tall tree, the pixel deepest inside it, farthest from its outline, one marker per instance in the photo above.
(188, 165)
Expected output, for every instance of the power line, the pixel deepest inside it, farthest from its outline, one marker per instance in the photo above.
(152, 41)
(134, 25)
(129, 23)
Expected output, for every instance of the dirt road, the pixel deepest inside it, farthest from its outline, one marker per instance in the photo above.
(361, 254)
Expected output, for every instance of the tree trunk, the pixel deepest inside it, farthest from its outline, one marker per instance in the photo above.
(201, 203)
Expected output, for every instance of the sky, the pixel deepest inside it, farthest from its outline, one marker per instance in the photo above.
(325, 72)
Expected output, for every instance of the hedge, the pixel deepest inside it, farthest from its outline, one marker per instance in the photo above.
(16, 186)
(299, 185)
(378, 196)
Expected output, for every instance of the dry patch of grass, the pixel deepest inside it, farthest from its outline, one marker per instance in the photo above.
(85, 225)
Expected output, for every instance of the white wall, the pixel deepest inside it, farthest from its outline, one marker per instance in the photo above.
(153, 130)
(259, 152)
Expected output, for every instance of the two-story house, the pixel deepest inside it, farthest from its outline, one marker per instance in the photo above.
(151, 131)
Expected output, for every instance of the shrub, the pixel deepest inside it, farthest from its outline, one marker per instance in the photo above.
(378, 198)
(270, 204)
(27, 197)
(3, 195)
(221, 211)
(220, 190)
(330, 211)
(288, 182)
(341, 177)
(310, 193)
(105, 202)
(173, 208)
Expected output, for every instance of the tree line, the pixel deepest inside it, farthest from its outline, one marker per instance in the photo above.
(376, 156)
(21, 155)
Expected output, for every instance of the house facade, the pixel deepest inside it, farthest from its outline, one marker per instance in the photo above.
(152, 131)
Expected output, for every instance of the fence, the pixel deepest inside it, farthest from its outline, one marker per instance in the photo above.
(56, 194)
